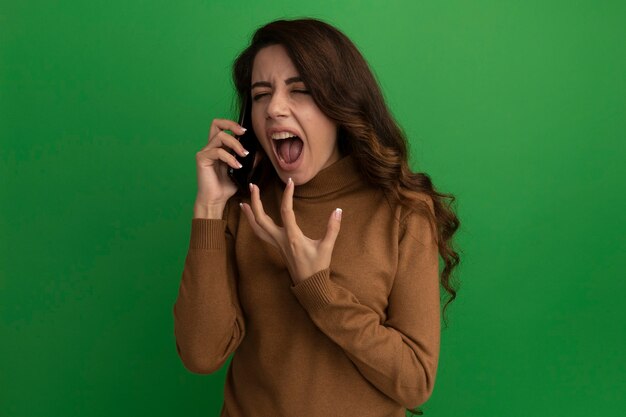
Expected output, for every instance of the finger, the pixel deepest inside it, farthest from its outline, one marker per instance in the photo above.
(218, 125)
(258, 230)
(209, 156)
(228, 158)
(261, 218)
(286, 211)
(332, 230)
(226, 141)
(223, 139)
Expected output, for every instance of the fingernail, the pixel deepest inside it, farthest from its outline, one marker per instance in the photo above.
(240, 205)
(338, 212)
(250, 185)
(243, 129)
(245, 152)
(239, 164)
(289, 181)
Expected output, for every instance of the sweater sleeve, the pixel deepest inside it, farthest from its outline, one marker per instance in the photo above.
(208, 320)
(399, 356)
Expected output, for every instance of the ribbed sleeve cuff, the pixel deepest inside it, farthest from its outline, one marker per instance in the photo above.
(207, 234)
(315, 291)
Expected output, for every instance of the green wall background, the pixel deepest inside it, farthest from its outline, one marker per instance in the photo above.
(517, 108)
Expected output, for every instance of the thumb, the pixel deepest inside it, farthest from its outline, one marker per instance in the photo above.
(334, 224)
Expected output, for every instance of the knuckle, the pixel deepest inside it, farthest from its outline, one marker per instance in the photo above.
(200, 156)
(225, 136)
(258, 215)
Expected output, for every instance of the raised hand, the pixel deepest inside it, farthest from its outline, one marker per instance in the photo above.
(212, 162)
(303, 256)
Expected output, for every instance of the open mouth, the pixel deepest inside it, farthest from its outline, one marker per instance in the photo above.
(288, 150)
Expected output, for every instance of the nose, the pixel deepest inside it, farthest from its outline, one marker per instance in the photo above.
(277, 106)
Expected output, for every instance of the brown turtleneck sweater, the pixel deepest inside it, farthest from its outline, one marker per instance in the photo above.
(360, 338)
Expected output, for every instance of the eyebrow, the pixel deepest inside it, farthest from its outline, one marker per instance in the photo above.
(267, 84)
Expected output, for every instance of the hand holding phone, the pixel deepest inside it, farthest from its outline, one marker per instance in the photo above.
(242, 176)
(213, 162)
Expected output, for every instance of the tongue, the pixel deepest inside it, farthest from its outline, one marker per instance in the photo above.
(290, 149)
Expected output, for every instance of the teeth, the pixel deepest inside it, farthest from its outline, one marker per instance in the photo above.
(282, 135)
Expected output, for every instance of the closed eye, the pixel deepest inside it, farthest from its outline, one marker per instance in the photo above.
(258, 96)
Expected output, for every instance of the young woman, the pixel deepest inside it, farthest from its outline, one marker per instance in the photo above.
(321, 277)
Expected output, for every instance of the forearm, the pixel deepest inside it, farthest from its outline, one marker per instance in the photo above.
(208, 323)
(397, 351)
(400, 359)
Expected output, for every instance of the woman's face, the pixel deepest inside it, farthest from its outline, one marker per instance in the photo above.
(299, 139)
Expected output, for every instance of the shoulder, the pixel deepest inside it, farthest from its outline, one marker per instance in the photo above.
(419, 219)
(421, 205)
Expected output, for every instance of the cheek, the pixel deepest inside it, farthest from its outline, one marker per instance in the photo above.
(256, 120)
(328, 135)
(258, 126)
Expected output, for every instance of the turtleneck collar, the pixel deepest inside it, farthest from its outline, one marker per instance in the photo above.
(331, 179)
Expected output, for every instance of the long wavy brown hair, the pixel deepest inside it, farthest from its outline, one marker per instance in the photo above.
(344, 88)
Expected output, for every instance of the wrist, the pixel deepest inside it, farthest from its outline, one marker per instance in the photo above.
(203, 210)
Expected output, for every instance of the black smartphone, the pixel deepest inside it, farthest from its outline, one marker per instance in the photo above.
(241, 177)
